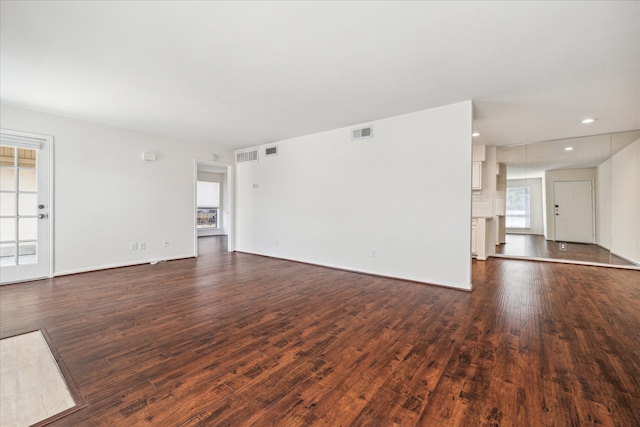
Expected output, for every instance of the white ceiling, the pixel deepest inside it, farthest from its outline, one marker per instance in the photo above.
(237, 74)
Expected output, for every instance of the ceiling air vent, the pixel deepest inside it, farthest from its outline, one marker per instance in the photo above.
(247, 156)
(271, 151)
(362, 133)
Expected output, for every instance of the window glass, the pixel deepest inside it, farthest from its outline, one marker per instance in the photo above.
(518, 213)
(208, 194)
(208, 200)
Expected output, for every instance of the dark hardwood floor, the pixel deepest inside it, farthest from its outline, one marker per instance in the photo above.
(237, 339)
(533, 245)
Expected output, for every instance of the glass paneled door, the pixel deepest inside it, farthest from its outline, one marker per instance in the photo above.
(25, 252)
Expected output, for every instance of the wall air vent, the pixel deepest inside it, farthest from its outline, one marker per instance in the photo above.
(362, 133)
(247, 156)
(271, 151)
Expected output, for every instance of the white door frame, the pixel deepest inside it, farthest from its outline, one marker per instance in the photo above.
(229, 207)
(45, 157)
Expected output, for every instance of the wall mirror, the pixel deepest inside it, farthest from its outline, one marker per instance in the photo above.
(575, 199)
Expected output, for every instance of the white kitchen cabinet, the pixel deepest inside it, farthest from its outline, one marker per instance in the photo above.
(482, 238)
(476, 176)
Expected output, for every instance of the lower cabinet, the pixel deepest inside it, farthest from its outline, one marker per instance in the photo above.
(482, 238)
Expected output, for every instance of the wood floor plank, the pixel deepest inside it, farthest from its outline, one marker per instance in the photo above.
(236, 339)
(294, 409)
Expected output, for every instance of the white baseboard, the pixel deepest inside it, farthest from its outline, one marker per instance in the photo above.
(632, 261)
(118, 265)
(359, 271)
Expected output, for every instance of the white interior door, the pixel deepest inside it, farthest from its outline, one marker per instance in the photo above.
(25, 235)
(573, 206)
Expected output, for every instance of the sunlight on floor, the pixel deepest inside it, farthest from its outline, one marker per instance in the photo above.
(32, 387)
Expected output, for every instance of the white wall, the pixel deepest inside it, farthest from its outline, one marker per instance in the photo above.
(106, 197)
(625, 202)
(406, 193)
(501, 202)
(603, 205)
(562, 175)
(535, 205)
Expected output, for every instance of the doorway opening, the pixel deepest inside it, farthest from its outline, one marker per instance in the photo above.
(213, 210)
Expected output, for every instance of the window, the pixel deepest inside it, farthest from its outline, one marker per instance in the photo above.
(18, 205)
(208, 202)
(207, 218)
(518, 214)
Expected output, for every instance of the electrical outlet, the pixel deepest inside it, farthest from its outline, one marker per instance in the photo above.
(373, 253)
(134, 246)
(143, 246)
(165, 244)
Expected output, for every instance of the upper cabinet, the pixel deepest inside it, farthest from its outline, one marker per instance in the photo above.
(476, 176)
(479, 156)
(479, 153)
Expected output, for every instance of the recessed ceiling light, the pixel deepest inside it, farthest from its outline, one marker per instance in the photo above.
(587, 121)
(475, 134)
(568, 148)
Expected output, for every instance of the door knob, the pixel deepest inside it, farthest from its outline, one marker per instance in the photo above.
(40, 206)
(43, 216)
